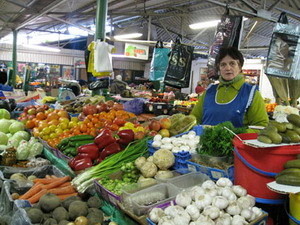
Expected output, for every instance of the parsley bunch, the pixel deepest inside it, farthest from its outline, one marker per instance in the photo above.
(217, 141)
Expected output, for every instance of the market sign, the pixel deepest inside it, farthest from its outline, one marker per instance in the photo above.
(136, 51)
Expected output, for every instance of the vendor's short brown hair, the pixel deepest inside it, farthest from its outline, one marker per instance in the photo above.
(232, 52)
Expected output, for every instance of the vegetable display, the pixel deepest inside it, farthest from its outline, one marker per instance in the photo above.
(217, 140)
(110, 164)
(220, 203)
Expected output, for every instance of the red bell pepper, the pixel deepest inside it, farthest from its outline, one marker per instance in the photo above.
(104, 138)
(126, 136)
(110, 149)
(82, 164)
(90, 150)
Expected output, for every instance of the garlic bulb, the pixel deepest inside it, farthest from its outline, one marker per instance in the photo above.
(203, 200)
(173, 210)
(196, 191)
(226, 192)
(246, 201)
(224, 219)
(224, 182)
(220, 202)
(212, 211)
(193, 211)
(233, 209)
(247, 213)
(204, 220)
(238, 220)
(212, 192)
(239, 190)
(182, 218)
(208, 184)
(257, 211)
(155, 214)
(166, 220)
(183, 199)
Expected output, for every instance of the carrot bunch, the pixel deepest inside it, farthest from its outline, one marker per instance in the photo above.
(61, 186)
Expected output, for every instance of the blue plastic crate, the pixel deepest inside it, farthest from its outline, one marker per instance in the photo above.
(181, 158)
(213, 173)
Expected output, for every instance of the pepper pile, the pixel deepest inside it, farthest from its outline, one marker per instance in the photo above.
(69, 146)
(105, 144)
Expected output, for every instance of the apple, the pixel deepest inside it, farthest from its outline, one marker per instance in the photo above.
(89, 110)
(152, 133)
(32, 111)
(154, 125)
(164, 133)
(165, 123)
(139, 135)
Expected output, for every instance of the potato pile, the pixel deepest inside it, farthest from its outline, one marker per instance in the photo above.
(50, 210)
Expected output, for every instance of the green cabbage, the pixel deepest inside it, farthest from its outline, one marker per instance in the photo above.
(15, 127)
(4, 125)
(4, 114)
(14, 141)
(35, 149)
(23, 151)
(3, 138)
(22, 134)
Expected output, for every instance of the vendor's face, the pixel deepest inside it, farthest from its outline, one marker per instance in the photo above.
(229, 68)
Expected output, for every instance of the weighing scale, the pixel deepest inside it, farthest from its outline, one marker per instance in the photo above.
(66, 93)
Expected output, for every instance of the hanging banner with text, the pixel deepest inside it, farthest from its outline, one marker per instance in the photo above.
(136, 51)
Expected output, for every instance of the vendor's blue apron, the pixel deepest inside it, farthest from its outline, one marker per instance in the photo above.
(233, 111)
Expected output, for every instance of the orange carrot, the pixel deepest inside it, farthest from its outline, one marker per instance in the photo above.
(62, 190)
(45, 180)
(35, 198)
(65, 184)
(57, 183)
(63, 197)
(32, 191)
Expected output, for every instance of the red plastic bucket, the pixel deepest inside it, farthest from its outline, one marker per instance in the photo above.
(255, 167)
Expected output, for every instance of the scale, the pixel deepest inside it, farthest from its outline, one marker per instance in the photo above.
(66, 93)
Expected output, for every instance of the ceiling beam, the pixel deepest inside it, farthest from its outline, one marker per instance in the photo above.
(249, 5)
(237, 9)
(73, 24)
(274, 5)
(52, 6)
(14, 2)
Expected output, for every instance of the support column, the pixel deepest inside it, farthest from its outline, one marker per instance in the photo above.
(101, 19)
(14, 59)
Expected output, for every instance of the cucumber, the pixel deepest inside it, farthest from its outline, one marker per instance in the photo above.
(285, 138)
(298, 156)
(281, 127)
(264, 139)
(292, 171)
(294, 119)
(292, 164)
(288, 179)
(81, 138)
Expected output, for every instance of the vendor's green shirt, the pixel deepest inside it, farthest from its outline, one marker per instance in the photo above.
(256, 114)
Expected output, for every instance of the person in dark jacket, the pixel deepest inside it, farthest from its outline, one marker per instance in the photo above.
(118, 86)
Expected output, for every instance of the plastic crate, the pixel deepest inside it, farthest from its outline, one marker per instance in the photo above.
(162, 193)
(213, 173)
(106, 194)
(181, 158)
(186, 181)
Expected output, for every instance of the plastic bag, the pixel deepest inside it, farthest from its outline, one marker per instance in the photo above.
(159, 62)
(181, 123)
(98, 84)
(6, 203)
(227, 35)
(284, 52)
(179, 67)
(135, 106)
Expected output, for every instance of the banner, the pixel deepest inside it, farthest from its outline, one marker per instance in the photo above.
(136, 51)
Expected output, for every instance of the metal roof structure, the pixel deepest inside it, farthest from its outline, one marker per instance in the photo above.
(168, 18)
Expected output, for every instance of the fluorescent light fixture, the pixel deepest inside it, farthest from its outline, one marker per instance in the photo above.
(128, 36)
(207, 24)
(202, 25)
(42, 48)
